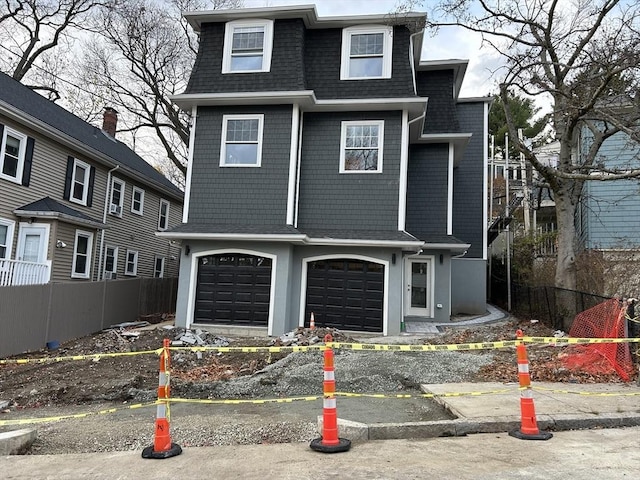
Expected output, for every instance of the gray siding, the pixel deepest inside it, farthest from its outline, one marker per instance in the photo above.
(437, 86)
(241, 195)
(468, 186)
(131, 231)
(356, 201)
(427, 190)
(322, 65)
(287, 72)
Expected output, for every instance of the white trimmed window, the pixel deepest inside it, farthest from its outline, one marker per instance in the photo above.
(241, 140)
(110, 262)
(158, 267)
(163, 215)
(131, 265)
(366, 52)
(79, 182)
(247, 46)
(137, 201)
(361, 146)
(6, 238)
(12, 153)
(82, 254)
(117, 197)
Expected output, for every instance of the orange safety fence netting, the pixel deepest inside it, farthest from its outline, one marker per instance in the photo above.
(605, 320)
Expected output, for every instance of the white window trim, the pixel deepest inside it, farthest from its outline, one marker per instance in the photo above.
(155, 260)
(135, 263)
(133, 193)
(223, 146)
(387, 51)
(85, 190)
(266, 48)
(89, 236)
(21, 154)
(115, 259)
(168, 204)
(123, 185)
(11, 225)
(343, 144)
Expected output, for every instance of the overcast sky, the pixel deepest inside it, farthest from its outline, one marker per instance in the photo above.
(450, 43)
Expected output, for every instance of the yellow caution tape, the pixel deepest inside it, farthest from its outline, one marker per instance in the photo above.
(591, 394)
(575, 341)
(96, 356)
(297, 348)
(238, 401)
(425, 348)
(26, 421)
(425, 395)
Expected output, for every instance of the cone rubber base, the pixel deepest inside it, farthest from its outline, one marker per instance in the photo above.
(531, 436)
(172, 452)
(342, 446)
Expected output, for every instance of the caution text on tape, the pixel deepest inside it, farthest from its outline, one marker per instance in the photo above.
(96, 356)
(27, 421)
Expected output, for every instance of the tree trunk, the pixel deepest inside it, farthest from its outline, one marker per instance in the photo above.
(565, 278)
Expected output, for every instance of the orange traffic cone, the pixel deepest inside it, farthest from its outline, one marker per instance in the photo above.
(528, 424)
(329, 442)
(162, 446)
(312, 322)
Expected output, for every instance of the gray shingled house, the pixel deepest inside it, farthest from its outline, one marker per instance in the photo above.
(75, 203)
(331, 172)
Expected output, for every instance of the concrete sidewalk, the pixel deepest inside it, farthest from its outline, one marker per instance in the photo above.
(601, 453)
(495, 407)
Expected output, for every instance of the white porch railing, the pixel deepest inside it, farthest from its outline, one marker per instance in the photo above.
(16, 272)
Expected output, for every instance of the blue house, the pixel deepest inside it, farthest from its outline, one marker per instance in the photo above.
(608, 213)
(331, 173)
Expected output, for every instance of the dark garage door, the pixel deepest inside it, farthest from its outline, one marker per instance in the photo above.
(345, 294)
(233, 288)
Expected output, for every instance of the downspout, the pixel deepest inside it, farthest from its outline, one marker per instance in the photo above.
(104, 220)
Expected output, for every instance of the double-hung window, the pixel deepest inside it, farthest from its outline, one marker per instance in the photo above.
(110, 262)
(158, 267)
(82, 254)
(12, 153)
(6, 238)
(241, 140)
(79, 182)
(366, 52)
(247, 46)
(163, 215)
(131, 264)
(361, 146)
(137, 201)
(117, 197)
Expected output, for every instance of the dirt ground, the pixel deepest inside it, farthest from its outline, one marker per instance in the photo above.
(135, 378)
(115, 385)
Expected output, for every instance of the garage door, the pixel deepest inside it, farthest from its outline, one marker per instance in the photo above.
(345, 294)
(233, 289)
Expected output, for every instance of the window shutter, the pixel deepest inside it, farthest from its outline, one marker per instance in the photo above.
(92, 178)
(28, 160)
(67, 179)
(1, 131)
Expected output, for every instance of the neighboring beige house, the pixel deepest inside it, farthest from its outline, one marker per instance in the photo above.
(75, 203)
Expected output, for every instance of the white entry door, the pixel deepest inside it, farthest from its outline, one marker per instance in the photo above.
(32, 243)
(419, 287)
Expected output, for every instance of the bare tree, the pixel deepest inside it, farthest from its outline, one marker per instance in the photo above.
(582, 57)
(145, 55)
(32, 30)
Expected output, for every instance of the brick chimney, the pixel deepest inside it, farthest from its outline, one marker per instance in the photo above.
(110, 121)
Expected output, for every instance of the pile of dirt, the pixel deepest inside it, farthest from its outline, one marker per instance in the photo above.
(545, 362)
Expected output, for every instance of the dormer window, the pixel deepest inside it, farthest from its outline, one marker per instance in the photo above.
(366, 52)
(247, 46)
